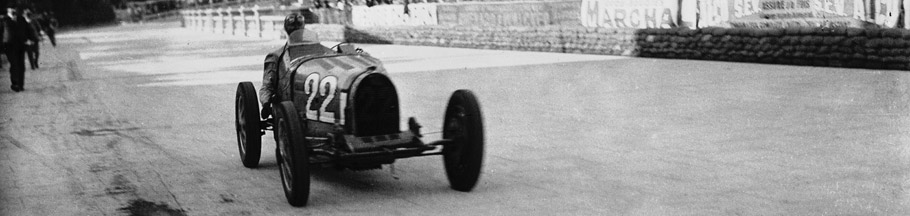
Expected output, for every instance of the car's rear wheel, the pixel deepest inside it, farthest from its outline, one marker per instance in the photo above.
(293, 158)
(463, 124)
(246, 120)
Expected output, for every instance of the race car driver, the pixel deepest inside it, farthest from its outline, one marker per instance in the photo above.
(300, 42)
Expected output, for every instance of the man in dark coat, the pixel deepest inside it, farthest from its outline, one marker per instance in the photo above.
(49, 26)
(32, 51)
(16, 35)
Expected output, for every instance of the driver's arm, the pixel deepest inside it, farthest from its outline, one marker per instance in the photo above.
(269, 79)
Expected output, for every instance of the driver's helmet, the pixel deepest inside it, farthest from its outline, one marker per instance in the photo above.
(293, 22)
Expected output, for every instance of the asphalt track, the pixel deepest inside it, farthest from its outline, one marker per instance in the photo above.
(138, 119)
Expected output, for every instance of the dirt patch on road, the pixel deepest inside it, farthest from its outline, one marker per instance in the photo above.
(140, 207)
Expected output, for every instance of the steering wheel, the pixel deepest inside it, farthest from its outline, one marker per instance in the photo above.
(346, 47)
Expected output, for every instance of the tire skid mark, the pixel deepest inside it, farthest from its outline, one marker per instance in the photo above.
(227, 198)
(120, 185)
(118, 142)
(103, 131)
(168, 189)
(124, 181)
(123, 134)
(72, 71)
(17, 144)
(44, 160)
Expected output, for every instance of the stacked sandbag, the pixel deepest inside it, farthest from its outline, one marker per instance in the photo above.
(837, 47)
(598, 41)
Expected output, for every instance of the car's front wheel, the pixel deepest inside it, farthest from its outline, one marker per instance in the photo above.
(463, 124)
(293, 158)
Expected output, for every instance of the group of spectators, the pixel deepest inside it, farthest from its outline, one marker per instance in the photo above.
(21, 31)
(137, 11)
(370, 3)
(342, 3)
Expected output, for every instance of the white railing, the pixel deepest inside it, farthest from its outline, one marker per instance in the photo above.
(241, 21)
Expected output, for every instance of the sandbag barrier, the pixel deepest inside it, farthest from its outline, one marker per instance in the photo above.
(834, 47)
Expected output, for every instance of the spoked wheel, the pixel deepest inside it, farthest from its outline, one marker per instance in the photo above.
(463, 125)
(246, 119)
(293, 158)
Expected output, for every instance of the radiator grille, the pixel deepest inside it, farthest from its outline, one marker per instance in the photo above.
(375, 107)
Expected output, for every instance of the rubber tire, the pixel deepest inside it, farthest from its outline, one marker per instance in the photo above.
(463, 158)
(246, 120)
(293, 158)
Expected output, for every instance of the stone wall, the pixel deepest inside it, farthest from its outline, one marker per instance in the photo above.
(542, 13)
(547, 38)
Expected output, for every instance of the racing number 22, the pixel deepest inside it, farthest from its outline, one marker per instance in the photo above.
(321, 90)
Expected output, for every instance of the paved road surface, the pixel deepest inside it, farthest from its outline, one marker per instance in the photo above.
(138, 119)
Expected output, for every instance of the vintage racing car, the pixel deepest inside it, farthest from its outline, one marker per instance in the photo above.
(341, 110)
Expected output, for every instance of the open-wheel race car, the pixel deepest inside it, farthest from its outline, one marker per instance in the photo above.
(340, 109)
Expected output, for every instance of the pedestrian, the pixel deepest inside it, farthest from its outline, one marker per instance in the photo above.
(49, 26)
(17, 34)
(2, 59)
(131, 12)
(32, 50)
(406, 9)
